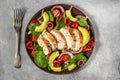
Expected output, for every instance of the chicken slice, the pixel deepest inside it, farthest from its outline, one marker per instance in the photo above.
(69, 36)
(61, 41)
(44, 44)
(78, 39)
(48, 36)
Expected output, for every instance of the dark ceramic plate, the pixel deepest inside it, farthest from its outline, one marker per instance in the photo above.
(74, 12)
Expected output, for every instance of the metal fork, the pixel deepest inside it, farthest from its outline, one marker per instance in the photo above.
(17, 23)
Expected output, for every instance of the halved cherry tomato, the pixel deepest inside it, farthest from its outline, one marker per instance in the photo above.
(58, 17)
(34, 21)
(74, 25)
(34, 38)
(56, 63)
(29, 45)
(56, 12)
(89, 46)
(50, 25)
(64, 57)
(67, 21)
(33, 53)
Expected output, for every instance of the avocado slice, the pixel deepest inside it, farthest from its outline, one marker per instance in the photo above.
(43, 26)
(53, 56)
(69, 15)
(85, 35)
(71, 67)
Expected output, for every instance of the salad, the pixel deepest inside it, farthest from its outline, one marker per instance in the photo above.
(58, 40)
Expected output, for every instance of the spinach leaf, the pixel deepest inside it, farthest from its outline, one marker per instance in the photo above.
(40, 59)
(60, 23)
(32, 27)
(76, 58)
(37, 47)
(81, 21)
(51, 17)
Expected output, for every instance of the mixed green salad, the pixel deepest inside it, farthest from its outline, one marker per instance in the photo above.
(58, 40)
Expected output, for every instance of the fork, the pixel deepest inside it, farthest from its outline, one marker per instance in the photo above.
(17, 23)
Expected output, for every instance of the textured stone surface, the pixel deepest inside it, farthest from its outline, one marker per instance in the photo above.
(104, 62)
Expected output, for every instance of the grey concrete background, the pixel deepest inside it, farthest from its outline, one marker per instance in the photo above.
(104, 62)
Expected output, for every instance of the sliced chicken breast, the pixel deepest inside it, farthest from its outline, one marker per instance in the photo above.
(78, 39)
(61, 41)
(44, 44)
(48, 36)
(69, 36)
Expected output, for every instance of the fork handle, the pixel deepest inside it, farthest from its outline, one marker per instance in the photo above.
(17, 60)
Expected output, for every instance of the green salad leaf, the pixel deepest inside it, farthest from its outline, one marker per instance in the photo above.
(60, 23)
(51, 17)
(40, 59)
(81, 21)
(32, 27)
(76, 58)
(37, 47)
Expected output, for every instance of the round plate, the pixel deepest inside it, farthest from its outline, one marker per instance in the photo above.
(74, 12)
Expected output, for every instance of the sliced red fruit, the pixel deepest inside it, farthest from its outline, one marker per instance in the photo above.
(89, 46)
(34, 38)
(74, 25)
(67, 21)
(48, 56)
(64, 57)
(34, 21)
(33, 53)
(56, 63)
(56, 12)
(58, 17)
(29, 45)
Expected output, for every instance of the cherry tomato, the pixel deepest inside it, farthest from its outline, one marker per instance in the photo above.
(56, 12)
(50, 25)
(29, 45)
(34, 38)
(33, 53)
(67, 21)
(64, 57)
(56, 63)
(74, 25)
(34, 21)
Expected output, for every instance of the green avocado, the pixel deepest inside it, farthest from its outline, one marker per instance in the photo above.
(71, 67)
(53, 56)
(43, 26)
(85, 35)
(69, 15)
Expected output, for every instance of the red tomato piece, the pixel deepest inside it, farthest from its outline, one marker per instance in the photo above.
(29, 45)
(56, 12)
(34, 38)
(56, 63)
(48, 56)
(34, 21)
(67, 21)
(33, 53)
(64, 57)
(74, 25)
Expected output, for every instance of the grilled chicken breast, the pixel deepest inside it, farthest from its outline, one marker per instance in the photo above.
(69, 36)
(61, 41)
(44, 44)
(78, 39)
(48, 36)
